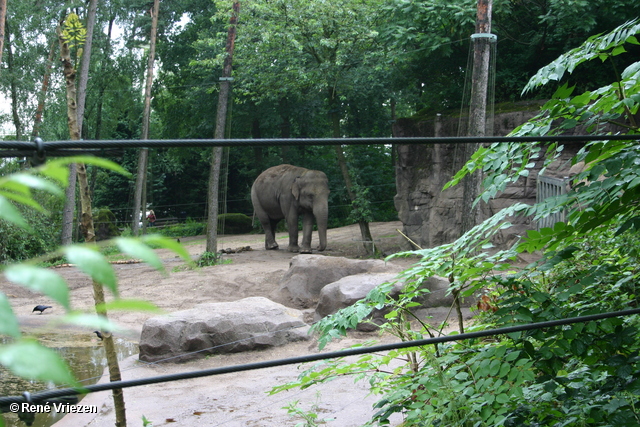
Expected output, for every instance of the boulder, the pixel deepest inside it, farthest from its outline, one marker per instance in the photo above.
(346, 291)
(308, 274)
(224, 327)
(350, 289)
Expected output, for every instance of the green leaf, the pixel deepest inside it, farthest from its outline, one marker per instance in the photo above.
(10, 213)
(34, 182)
(28, 359)
(8, 322)
(137, 249)
(94, 264)
(167, 243)
(92, 321)
(129, 304)
(52, 167)
(40, 280)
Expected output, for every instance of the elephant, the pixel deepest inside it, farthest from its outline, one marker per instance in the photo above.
(287, 191)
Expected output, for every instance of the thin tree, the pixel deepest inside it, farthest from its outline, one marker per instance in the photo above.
(43, 90)
(74, 37)
(13, 85)
(482, 41)
(3, 17)
(70, 191)
(221, 120)
(141, 176)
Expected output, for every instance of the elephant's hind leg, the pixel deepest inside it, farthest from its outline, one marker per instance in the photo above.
(270, 236)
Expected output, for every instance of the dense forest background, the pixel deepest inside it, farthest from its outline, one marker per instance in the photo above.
(302, 68)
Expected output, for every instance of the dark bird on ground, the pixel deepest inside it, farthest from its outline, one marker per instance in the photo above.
(41, 308)
(99, 334)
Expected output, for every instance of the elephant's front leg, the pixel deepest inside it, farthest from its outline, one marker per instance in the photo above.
(307, 230)
(292, 226)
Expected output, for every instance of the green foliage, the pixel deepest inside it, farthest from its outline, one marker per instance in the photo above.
(310, 417)
(207, 259)
(361, 206)
(105, 224)
(73, 32)
(234, 223)
(23, 355)
(585, 374)
(146, 422)
(189, 228)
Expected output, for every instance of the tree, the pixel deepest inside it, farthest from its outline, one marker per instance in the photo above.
(221, 122)
(3, 16)
(302, 46)
(73, 35)
(141, 177)
(585, 373)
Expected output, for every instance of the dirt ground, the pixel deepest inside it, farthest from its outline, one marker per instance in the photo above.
(237, 399)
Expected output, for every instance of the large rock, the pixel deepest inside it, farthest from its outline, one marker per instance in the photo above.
(308, 274)
(225, 327)
(350, 289)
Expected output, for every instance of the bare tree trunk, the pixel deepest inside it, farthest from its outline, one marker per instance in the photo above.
(14, 93)
(43, 90)
(365, 231)
(477, 109)
(103, 86)
(3, 17)
(81, 92)
(221, 120)
(87, 224)
(144, 152)
(86, 62)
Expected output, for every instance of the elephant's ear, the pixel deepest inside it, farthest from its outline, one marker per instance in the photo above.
(295, 188)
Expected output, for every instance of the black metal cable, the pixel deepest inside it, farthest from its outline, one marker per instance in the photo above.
(52, 147)
(50, 394)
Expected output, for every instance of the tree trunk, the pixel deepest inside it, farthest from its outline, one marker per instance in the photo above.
(103, 86)
(477, 109)
(70, 192)
(3, 16)
(144, 152)
(221, 120)
(86, 62)
(43, 90)
(87, 224)
(365, 231)
(14, 93)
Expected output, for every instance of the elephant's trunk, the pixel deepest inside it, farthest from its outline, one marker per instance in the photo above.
(322, 216)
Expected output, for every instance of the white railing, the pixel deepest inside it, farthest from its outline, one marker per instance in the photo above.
(549, 187)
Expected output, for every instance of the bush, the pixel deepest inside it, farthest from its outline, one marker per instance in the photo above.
(234, 223)
(189, 228)
(105, 224)
(18, 244)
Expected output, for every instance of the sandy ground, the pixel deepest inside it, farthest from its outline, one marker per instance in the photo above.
(237, 399)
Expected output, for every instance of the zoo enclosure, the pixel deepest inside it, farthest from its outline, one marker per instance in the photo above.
(39, 150)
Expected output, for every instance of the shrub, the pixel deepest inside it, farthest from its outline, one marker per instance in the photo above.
(234, 223)
(189, 228)
(19, 244)
(105, 224)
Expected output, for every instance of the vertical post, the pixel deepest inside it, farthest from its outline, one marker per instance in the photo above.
(482, 41)
(221, 121)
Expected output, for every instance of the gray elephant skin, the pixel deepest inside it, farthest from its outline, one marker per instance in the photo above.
(286, 192)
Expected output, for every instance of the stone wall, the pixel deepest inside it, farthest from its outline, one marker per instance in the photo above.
(431, 216)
